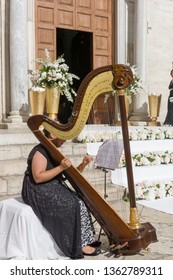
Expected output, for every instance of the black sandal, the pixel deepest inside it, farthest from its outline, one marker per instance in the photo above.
(95, 244)
(95, 253)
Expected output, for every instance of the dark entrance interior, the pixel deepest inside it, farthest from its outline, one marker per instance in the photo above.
(76, 46)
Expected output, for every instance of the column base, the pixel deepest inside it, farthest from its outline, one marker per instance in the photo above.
(15, 117)
(3, 126)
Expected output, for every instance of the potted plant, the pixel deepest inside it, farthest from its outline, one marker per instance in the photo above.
(54, 77)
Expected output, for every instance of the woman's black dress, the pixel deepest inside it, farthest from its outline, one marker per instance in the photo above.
(169, 116)
(59, 209)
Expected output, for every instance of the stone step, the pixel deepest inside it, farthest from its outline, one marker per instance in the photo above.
(12, 167)
(15, 145)
(11, 185)
(21, 151)
(17, 136)
(15, 152)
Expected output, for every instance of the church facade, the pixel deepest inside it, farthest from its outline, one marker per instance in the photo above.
(111, 31)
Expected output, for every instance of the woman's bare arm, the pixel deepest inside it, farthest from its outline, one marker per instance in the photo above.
(39, 172)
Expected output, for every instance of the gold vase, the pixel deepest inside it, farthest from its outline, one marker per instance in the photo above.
(37, 101)
(52, 102)
(154, 109)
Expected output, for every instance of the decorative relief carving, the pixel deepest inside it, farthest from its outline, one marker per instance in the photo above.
(46, 36)
(45, 15)
(48, 1)
(101, 60)
(102, 5)
(84, 21)
(66, 2)
(101, 24)
(84, 4)
(101, 43)
(65, 18)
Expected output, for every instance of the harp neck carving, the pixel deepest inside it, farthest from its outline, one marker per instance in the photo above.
(105, 79)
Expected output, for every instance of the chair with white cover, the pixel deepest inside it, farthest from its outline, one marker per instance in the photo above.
(22, 236)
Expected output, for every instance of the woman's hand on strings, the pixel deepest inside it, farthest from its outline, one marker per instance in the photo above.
(39, 164)
(65, 163)
(86, 160)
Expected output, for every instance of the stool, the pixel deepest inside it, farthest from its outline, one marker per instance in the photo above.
(22, 236)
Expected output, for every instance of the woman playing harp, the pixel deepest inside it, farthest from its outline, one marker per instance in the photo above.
(101, 80)
(58, 207)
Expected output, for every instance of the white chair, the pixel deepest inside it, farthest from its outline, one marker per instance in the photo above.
(22, 235)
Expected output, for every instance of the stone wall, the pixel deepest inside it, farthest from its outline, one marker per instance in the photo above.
(159, 49)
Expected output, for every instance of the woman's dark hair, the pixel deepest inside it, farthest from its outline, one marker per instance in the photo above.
(46, 133)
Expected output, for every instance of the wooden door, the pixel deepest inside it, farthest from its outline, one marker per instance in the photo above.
(94, 16)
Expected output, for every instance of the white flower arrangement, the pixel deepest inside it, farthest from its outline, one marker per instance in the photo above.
(151, 190)
(53, 75)
(149, 159)
(134, 135)
(136, 84)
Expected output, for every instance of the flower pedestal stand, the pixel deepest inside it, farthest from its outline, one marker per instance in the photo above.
(37, 101)
(52, 102)
(154, 109)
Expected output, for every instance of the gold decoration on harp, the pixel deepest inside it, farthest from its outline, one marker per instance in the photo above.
(99, 84)
(115, 77)
(134, 219)
(123, 77)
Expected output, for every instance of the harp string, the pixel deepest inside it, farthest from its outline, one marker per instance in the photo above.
(108, 131)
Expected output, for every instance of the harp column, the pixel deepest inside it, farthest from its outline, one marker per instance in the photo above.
(18, 58)
(122, 78)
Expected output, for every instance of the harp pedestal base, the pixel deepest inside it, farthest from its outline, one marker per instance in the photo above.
(145, 236)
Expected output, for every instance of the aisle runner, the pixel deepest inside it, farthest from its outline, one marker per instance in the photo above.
(164, 204)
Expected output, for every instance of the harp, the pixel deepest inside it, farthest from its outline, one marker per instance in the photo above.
(101, 80)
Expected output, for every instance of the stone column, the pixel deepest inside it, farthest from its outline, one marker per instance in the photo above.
(4, 62)
(140, 101)
(18, 58)
(31, 35)
(121, 31)
(1, 37)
